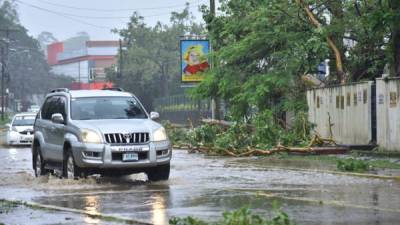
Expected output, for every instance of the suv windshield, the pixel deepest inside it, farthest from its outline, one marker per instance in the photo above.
(98, 108)
(24, 121)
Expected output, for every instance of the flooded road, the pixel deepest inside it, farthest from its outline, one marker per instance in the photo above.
(204, 187)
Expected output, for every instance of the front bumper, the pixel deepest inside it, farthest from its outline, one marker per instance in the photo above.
(15, 138)
(106, 156)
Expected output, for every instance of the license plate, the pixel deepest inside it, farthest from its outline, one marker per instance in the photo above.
(132, 156)
(26, 138)
(130, 148)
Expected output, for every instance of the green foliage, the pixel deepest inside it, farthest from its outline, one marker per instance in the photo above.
(261, 49)
(7, 206)
(260, 132)
(26, 70)
(353, 165)
(207, 134)
(150, 64)
(243, 216)
(178, 135)
(186, 221)
(260, 53)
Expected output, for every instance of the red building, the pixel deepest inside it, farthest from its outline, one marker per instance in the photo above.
(85, 61)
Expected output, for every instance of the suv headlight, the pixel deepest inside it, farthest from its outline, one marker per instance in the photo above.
(90, 136)
(160, 134)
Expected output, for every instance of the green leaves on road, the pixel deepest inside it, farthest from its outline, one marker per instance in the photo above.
(243, 216)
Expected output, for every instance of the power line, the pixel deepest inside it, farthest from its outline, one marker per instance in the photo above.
(71, 16)
(115, 10)
(65, 16)
(101, 17)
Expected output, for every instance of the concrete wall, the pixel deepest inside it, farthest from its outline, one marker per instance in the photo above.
(388, 113)
(350, 109)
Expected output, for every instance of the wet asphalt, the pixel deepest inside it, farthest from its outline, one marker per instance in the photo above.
(205, 187)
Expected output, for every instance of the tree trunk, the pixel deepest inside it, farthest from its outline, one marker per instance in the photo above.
(331, 42)
(336, 8)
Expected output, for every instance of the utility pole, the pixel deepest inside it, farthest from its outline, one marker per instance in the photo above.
(79, 74)
(214, 101)
(119, 75)
(4, 55)
(3, 69)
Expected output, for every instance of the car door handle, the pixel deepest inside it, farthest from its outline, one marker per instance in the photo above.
(53, 128)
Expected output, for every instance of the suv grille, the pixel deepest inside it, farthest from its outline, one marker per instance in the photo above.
(130, 138)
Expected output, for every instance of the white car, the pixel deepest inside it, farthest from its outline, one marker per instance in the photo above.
(20, 130)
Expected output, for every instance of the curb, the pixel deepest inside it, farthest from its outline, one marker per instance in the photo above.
(102, 216)
(366, 175)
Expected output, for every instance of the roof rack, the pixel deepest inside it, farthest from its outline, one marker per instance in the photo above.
(60, 90)
(113, 89)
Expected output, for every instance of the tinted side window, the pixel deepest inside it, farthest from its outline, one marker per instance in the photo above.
(46, 108)
(60, 106)
(52, 107)
(54, 104)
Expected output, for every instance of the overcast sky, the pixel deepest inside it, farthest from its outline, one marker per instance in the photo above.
(64, 18)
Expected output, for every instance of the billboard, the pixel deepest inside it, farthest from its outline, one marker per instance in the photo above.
(194, 60)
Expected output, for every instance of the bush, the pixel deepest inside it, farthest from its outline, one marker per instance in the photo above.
(353, 165)
(261, 131)
(242, 216)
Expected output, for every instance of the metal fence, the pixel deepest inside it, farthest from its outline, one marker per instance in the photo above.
(180, 109)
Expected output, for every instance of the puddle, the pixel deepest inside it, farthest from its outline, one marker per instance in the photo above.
(204, 187)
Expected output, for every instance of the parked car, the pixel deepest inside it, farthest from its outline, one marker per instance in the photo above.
(99, 132)
(20, 130)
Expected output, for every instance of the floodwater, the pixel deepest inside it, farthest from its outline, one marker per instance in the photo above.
(205, 187)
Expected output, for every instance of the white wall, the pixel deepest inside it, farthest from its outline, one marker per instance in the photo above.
(102, 51)
(350, 109)
(388, 113)
(72, 70)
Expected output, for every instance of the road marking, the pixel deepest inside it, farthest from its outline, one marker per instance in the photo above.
(319, 202)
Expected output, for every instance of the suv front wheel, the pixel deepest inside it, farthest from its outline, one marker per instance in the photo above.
(38, 162)
(158, 173)
(70, 170)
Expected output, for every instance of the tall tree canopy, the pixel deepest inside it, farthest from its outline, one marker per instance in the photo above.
(263, 47)
(150, 62)
(26, 70)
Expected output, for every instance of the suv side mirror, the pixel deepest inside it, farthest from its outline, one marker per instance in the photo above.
(57, 118)
(154, 115)
(8, 125)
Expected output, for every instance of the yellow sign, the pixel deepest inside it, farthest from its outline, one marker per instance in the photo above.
(194, 60)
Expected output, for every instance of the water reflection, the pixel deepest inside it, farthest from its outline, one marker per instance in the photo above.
(91, 207)
(13, 153)
(159, 215)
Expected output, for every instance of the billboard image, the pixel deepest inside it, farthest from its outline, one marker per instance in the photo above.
(194, 60)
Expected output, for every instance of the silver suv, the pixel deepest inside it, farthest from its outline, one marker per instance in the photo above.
(99, 132)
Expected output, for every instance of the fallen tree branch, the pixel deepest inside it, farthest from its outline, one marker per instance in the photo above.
(305, 150)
